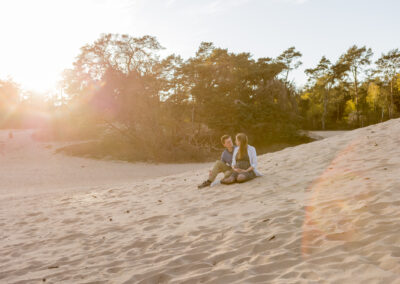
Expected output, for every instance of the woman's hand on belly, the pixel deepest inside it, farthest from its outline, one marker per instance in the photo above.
(249, 169)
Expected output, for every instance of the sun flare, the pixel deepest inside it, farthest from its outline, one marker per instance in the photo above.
(40, 44)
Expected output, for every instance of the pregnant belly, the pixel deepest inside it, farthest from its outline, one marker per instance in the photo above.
(244, 165)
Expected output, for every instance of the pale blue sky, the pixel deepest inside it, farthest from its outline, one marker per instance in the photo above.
(41, 38)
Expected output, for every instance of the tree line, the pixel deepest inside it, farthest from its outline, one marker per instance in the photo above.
(351, 93)
(178, 105)
(121, 89)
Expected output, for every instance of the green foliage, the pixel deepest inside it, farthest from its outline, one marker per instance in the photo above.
(233, 93)
(165, 109)
(9, 99)
(350, 108)
(351, 94)
(290, 60)
(121, 82)
(388, 67)
(373, 97)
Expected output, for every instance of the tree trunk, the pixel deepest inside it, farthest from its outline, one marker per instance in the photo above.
(192, 115)
(391, 99)
(287, 77)
(337, 112)
(325, 108)
(356, 95)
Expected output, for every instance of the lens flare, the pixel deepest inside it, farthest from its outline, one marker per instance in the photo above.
(327, 215)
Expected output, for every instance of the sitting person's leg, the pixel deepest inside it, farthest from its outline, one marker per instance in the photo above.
(242, 177)
(219, 167)
(228, 173)
(230, 179)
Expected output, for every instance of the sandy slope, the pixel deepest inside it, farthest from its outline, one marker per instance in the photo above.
(318, 135)
(324, 212)
(29, 167)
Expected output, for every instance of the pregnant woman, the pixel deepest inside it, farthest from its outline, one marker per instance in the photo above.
(244, 161)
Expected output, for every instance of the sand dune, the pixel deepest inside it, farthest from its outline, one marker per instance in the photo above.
(318, 135)
(29, 167)
(324, 212)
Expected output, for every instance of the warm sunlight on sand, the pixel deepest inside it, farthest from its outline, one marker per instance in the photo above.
(324, 212)
(214, 141)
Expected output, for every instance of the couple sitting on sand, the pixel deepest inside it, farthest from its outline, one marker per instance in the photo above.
(239, 164)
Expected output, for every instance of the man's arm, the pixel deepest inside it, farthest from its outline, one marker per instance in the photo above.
(223, 158)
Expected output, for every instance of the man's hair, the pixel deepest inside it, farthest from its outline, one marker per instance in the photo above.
(223, 138)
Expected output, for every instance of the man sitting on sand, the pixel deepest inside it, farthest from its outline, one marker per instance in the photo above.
(224, 165)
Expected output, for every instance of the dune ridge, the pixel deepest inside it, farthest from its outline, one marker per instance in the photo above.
(324, 212)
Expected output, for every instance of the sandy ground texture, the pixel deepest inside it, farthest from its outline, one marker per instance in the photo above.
(324, 212)
(28, 167)
(319, 135)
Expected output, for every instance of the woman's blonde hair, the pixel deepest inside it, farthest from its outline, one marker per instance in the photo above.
(242, 138)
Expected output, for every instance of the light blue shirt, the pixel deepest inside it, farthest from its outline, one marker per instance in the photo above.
(251, 151)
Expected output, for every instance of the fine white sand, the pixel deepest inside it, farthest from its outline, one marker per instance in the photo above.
(324, 212)
(28, 167)
(319, 135)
